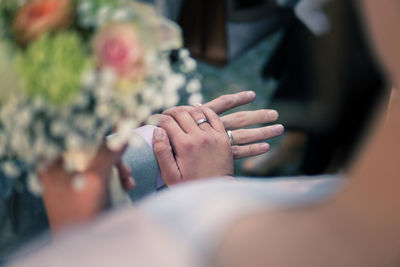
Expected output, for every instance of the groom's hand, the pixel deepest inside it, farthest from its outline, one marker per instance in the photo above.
(244, 139)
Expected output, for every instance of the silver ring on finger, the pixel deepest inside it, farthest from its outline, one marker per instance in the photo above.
(203, 120)
(230, 136)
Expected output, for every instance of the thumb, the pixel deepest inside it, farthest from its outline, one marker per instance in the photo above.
(163, 151)
(125, 176)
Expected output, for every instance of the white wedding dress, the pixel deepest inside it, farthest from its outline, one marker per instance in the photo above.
(182, 226)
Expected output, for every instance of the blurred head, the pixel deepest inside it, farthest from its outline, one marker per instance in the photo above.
(383, 19)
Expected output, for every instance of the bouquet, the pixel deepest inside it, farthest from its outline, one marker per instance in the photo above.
(71, 70)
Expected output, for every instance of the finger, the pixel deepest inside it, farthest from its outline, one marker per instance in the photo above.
(183, 118)
(106, 158)
(249, 150)
(173, 129)
(246, 136)
(246, 118)
(125, 176)
(227, 102)
(197, 115)
(166, 161)
(154, 119)
(212, 118)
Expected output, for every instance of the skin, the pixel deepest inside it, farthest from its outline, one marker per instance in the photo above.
(358, 227)
(66, 206)
(193, 144)
(248, 142)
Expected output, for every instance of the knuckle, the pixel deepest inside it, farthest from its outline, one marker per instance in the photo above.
(252, 149)
(197, 112)
(174, 112)
(161, 148)
(227, 101)
(204, 140)
(262, 115)
(235, 150)
(186, 145)
(238, 136)
(241, 118)
(165, 119)
(266, 132)
(180, 109)
(168, 111)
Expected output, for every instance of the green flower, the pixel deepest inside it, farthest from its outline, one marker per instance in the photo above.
(52, 67)
(8, 75)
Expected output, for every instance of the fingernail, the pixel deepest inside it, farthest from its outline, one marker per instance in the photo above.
(264, 147)
(278, 129)
(132, 182)
(197, 105)
(158, 134)
(273, 115)
(251, 95)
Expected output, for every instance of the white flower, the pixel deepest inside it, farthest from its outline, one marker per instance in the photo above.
(78, 182)
(84, 6)
(102, 15)
(107, 77)
(34, 185)
(20, 142)
(125, 127)
(193, 86)
(89, 79)
(115, 142)
(130, 106)
(39, 144)
(184, 53)
(195, 98)
(77, 159)
(189, 64)
(143, 112)
(157, 102)
(148, 94)
(120, 15)
(51, 152)
(153, 120)
(171, 99)
(135, 141)
(3, 143)
(10, 169)
(87, 21)
(102, 110)
(24, 117)
(174, 82)
(58, 128)
(73, 141)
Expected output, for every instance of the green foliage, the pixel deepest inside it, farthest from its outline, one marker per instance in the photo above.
(7, 11)
(8, 76)
(52, 67)
(100, 3)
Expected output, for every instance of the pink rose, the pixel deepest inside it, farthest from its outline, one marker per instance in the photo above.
(118, 47)
(39, 16)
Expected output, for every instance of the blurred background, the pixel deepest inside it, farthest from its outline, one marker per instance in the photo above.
(308, 59)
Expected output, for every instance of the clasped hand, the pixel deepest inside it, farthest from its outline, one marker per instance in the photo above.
(187, 151)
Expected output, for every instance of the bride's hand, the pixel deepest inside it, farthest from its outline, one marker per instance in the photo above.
(65, 204)
(201, 149)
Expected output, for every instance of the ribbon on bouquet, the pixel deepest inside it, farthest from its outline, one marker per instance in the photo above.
(143, 163)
